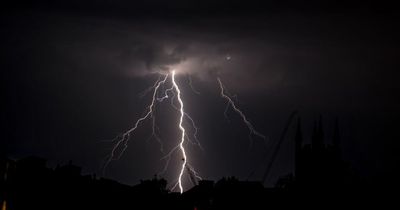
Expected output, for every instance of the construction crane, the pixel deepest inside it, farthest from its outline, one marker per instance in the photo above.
(278, 145)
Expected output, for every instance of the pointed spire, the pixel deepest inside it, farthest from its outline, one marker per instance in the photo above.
(320, 132)
(314, 136)
(318, 135)
(336, 135)
(299, 135)
(298, 145)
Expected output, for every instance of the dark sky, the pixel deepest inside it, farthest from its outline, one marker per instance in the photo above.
(72, 74)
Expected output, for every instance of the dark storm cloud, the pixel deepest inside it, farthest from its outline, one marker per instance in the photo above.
(147, 46)
(263, 54)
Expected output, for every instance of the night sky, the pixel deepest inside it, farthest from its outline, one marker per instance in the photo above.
(73, 74)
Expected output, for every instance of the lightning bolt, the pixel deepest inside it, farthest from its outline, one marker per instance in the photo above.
(183, 131)
(173, 92)
(121, 141)
(232, 104)
(191, 85)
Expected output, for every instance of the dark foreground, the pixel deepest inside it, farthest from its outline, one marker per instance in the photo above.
(321, 180)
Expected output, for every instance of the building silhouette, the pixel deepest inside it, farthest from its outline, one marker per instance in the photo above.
(319, 165)
(320, 176)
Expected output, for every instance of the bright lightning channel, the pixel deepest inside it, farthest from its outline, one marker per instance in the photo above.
(183, 131)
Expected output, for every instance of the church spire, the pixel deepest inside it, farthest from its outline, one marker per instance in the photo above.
(298, 145)
(336, 137)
